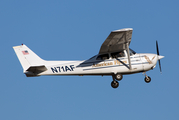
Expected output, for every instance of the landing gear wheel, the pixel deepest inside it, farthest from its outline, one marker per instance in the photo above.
(114, 84)
(118, 76)
(147, 79)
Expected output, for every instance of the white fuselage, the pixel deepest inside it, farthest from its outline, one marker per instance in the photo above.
(139, 63)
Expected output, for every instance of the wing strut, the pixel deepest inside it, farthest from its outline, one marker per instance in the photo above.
(128, 56)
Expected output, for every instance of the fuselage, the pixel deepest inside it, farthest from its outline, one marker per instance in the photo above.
(108, 66)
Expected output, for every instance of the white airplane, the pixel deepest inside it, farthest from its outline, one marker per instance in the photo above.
(115, 58)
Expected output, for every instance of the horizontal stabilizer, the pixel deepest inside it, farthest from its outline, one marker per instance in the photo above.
(35, 70)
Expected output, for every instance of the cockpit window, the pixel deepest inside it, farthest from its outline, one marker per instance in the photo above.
(103, 57)
(92, 57)
(118, 54)
(132, 52)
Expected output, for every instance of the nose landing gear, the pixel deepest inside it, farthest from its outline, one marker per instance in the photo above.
(147, 79)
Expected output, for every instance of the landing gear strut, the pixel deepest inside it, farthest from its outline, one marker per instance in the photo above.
(147, 78)
(116, 77)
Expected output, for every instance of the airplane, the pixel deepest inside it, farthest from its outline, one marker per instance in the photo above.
(115, 59)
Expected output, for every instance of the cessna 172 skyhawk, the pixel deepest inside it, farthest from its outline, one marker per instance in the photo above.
(114, 58)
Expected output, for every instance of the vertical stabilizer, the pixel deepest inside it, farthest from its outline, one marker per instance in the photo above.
(27, 57)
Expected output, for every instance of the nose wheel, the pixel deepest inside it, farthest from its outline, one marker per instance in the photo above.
(147, 79)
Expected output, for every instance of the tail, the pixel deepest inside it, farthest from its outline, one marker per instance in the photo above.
(32, 64)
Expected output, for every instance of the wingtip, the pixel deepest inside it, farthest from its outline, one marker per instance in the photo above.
(124, 29)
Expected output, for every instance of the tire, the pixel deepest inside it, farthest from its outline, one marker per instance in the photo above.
(118, 76)
(147, 79)
(114, 84)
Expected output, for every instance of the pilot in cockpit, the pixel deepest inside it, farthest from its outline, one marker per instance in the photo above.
(118, 54)
(121, 54)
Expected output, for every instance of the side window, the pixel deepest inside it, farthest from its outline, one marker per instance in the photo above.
(130, 52)
(103, 57)
(118, 54)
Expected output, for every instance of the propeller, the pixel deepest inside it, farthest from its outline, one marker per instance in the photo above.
(158, 57)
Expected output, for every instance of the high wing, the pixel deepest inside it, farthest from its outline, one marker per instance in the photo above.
(116, 41)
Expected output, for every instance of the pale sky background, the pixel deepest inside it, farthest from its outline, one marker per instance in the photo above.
(75, 30)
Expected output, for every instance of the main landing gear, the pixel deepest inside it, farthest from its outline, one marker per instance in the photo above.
(116, 77)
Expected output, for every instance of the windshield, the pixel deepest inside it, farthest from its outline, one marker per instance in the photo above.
(132, 52)
(103, 57)
(92, 57)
